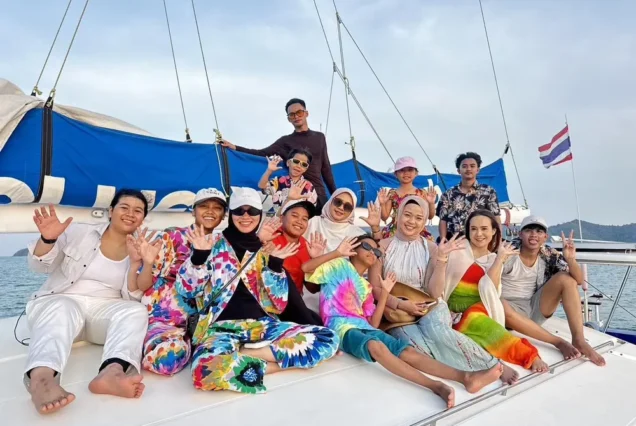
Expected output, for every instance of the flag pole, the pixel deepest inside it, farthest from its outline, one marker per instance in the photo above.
(576, 192)
(586, 317)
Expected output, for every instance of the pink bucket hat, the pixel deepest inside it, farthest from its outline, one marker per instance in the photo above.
(403, 163)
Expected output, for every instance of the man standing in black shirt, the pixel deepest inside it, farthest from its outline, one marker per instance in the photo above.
(302, 137)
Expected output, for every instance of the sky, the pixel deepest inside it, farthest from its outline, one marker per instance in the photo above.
(552, 57)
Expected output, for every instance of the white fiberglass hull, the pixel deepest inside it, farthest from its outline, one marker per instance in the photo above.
(341, 391)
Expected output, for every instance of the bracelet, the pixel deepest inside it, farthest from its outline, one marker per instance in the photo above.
(45, 241)
(442, 260)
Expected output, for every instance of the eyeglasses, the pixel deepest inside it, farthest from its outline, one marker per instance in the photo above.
(294, 114)
(338, 203)
(299, 163)
(240, 211)
(369, 247)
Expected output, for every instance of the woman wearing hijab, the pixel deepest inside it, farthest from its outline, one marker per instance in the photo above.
(407, 255)
(241, 288)
(335, 223)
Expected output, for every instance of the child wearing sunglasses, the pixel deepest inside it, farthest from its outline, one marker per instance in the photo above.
(292, 186)
(347, 307)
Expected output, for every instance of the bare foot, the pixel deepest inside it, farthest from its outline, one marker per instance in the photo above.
(474, 381)
(589, 352)
(272, 368)
(47, 395)
(445, 392)
(509, 376)
(539, 366)
(568, 350)
(113, 381)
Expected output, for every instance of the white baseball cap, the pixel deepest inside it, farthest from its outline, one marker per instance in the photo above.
(209, 194)
(242, 196)
(534, 220)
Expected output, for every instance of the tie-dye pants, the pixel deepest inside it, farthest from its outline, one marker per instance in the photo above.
(217, 363)
(166, 349)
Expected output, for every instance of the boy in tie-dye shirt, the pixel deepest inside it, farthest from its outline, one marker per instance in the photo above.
(347, 307)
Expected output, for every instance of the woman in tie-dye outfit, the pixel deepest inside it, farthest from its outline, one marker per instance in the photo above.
(241, 289)
(166, 347)
(468, 278)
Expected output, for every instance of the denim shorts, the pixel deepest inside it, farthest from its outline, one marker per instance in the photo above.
(355, 343)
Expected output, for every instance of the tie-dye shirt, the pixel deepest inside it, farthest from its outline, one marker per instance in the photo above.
(346, 298)
(164, 303)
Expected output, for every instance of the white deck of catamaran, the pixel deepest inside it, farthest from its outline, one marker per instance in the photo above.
(342, 391)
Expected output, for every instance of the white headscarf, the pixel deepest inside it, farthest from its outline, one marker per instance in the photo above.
(334, 232)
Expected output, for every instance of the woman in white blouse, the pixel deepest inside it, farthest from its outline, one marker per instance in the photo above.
(87, 295)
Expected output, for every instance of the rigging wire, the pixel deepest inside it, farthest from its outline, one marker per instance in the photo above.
(333, 76)
(392, 102)
(217, 130)
(610, 298)
(174, 59)
(49, 101)
(36, 89)
(503, 116)
(344, 77)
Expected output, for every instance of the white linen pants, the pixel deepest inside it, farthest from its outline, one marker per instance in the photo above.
(57, 321)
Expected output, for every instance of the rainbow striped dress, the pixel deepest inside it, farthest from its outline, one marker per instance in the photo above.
(488, 333)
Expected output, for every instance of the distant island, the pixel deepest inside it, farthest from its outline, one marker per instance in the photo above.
(22, 252)
(594, 231)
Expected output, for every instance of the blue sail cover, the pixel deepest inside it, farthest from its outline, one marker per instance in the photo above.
(88, 157)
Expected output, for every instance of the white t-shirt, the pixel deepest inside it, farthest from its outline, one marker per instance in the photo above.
(103, 277)
(519, 281)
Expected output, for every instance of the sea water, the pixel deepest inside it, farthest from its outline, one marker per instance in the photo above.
(17, 282)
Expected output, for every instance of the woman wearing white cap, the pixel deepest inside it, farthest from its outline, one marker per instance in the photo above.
(241, 290)
(405, 171)
(166, 347)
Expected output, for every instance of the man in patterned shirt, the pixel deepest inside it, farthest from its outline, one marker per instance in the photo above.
(461, 200)
(535, 282)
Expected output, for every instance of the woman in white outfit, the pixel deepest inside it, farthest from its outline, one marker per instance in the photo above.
(87, 295)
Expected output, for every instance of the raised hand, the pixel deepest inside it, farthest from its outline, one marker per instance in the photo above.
(133, 250)
(147, 249)
(389, 282)
(445, 247)
(48, 223)
(198, 238)
(281, 252)
(269, 230)
(430, 195)
(569, 249)
(383, 196)
(346, 247)
(272, 163)
(373, 215)
(227, 144)
(317, 245)
(296, 191)
(506, 250)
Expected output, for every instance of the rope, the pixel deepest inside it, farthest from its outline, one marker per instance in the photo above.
(49, 101)
(174, 60)
(333, 75)
(503, 116)
(344, 78)
(36, 90)
(217, 132)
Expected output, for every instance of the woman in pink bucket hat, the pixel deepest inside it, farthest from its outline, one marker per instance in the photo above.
(405, 170)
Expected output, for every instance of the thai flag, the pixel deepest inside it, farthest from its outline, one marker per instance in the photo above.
(558, 151)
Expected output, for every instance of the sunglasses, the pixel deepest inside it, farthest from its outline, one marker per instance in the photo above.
(240, 211)
(298, 113)
(297, 162)
(347, 207)
(369, 247)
